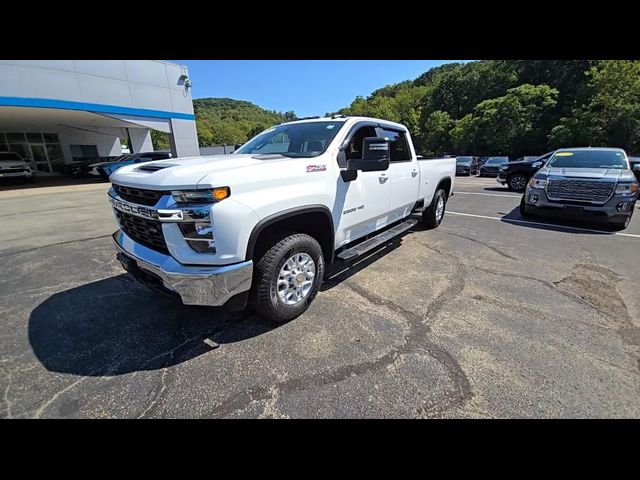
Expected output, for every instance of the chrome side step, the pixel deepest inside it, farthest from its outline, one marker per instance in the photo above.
(376, 241)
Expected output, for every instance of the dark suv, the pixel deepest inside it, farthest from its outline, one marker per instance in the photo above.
(516, 174)
(466, 166)
(491, 166)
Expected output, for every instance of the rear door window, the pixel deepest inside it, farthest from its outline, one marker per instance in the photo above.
(398, 144)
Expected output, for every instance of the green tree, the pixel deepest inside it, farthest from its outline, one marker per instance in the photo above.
(464, 136)
(610, 116)
(436, 137)
(160, 140)
(510, 125)
(221, 121)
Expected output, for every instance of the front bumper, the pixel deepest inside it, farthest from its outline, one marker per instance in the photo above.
(502, 178)
(196, 285)
(606, 213)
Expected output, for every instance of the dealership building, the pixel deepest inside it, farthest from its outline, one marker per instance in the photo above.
(57, 112)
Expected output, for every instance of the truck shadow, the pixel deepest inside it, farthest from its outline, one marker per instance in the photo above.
(115, 326)
(566, 225)
(341, 271)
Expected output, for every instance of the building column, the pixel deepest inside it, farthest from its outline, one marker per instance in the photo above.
(184, 138)
(140, 140)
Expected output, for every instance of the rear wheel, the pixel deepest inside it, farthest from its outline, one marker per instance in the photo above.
(517, 182)
(287, 277)
(432, 216)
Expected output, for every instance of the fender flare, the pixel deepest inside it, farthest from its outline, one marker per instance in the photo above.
(283, 215)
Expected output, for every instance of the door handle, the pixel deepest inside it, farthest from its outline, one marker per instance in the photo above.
(414, 173)
(383, 177)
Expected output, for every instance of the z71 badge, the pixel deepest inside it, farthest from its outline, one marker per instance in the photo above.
(316, 168)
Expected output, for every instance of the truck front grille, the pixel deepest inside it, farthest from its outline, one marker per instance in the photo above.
(580, 190)
(146, 232)
(138, 195)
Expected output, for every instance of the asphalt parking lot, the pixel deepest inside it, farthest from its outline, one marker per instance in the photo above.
(488, 316)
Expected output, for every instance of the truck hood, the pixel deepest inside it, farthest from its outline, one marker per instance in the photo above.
(195, 172)
(606, 174)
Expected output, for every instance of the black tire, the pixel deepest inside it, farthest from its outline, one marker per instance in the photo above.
(523, 211)
(618, 226)
(517, 182)
(264, 296)
(429, 216)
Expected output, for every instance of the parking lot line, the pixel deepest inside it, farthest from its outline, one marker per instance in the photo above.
(510, 220)
(487, 194)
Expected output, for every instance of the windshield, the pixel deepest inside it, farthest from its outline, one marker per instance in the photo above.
(463, 160)
(303, 140)
(497, 160)
(589, 159)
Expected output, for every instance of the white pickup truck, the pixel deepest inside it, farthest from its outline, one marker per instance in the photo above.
(261, 225)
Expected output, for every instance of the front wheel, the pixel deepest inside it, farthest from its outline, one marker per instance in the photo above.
(517, 182)
(432, 216)
(618, 226)
(287, 278)
(523, 210)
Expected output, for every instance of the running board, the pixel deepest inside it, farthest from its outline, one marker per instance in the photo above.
(376, 241)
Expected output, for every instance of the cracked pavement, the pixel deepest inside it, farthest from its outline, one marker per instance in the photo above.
(480, 318)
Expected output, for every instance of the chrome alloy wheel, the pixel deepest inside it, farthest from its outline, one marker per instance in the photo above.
(518, 182)
(296, 278)
(439, 209)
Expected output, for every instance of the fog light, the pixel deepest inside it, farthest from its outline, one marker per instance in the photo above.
(533, 198)
(199, 236)
(623, 207)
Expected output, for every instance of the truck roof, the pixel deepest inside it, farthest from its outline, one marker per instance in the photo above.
(346, 119)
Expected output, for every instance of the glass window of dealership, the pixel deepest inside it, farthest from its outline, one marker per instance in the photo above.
(57, 112)
(42, 149)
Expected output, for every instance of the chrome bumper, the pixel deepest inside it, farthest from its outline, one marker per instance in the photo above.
(196, 285)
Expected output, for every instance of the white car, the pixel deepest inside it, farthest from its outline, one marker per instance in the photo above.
(12, 165)
(262, 224)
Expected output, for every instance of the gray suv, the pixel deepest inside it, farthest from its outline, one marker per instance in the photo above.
(594, 184)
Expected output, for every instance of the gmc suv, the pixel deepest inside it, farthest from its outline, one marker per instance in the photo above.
(584, 183)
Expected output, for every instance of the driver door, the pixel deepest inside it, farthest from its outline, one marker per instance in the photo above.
(362, 205)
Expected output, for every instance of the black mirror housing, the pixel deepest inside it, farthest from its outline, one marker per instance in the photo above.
(376, 155)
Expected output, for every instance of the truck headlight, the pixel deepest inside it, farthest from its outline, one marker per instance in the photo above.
(201, 196)
(503, 167)
(626, 189)
(538, 183)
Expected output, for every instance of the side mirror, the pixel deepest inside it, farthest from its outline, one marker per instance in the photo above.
(375, 156)
(536, 164)
(636, 167)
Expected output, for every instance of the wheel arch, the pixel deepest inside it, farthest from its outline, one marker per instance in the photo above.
(314, 220)
(447, 184)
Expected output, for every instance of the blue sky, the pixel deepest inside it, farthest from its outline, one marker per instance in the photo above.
(308, 87)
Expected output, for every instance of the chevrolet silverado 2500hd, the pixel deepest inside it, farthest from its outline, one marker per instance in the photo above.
(260, 225)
